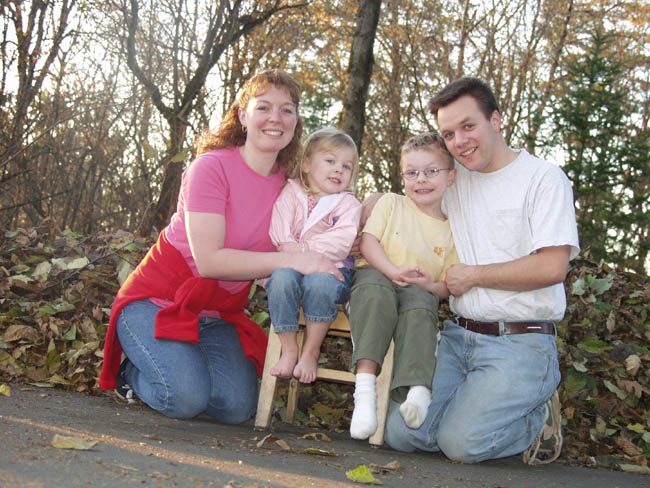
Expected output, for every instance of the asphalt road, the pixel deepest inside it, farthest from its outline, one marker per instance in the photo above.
(138, 447)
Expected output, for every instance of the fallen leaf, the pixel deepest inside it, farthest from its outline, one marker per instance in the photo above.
(64, 442)
(42, 271)
(569, 412)
(318, 452)
(317, 436)
(628, 447)
(267, 438)
(632, 364)
(611, 321)
(362, 474)
(632, 386)
(283, 445)
(5, 390)
(70, 263)
(392, 466)
(17, 331)
(153, 437)
(633, 468)
(638, 428)
(617, 391)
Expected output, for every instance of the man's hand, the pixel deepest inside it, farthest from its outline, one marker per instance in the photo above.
(460, 278)
(547, 266)
(366, 209)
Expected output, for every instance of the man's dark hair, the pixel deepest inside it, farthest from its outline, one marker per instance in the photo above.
(467, 85)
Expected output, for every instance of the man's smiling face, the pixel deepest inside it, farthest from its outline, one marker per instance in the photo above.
(471, 138)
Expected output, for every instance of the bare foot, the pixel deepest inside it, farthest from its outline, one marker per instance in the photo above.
(306, 368)
(285, 365)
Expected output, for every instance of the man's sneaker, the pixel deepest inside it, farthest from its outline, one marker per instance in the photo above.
(124, 391)
(547, 445)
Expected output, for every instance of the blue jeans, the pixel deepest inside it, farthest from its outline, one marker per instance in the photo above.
(320, 294)
(489, 395)
(181, 379)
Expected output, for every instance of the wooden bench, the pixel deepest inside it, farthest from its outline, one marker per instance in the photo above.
(268, 389)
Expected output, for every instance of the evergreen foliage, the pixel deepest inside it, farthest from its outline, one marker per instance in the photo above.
(607, 155)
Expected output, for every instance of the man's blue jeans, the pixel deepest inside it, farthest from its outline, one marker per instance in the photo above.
(319, 293)
(488, 396)
(182, 380)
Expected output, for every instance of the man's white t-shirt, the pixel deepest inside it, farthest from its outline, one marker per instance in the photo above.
(502, 216)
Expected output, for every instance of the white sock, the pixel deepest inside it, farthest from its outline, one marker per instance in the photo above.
(414, 408)
(364, 416)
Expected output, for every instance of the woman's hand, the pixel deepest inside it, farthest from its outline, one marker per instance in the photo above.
(314, 262)
(292, 247)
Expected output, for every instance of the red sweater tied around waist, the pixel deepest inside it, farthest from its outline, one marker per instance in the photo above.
(163, 273)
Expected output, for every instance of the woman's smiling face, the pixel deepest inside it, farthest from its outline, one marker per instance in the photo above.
(270, 120)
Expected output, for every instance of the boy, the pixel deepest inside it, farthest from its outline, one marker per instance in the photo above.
(405, 237)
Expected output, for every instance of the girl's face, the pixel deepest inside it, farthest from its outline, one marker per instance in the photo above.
(270, 120)
(330, 170)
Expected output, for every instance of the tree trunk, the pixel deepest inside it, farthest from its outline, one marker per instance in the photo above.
(360, 70)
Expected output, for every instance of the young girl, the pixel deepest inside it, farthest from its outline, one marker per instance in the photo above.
(315, 212)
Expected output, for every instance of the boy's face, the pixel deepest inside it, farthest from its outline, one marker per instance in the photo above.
(426, 191)
(471, 138)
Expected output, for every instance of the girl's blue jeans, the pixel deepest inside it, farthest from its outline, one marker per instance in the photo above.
(319, 293)
(489, 395)
(182, 380)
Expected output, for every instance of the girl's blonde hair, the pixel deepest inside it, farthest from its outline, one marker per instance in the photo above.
(429, 141)
(321, 140)
(232, 134)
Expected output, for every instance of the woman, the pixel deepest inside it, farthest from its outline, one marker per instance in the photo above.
(179, 318)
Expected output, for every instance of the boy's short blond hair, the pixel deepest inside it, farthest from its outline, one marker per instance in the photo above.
(429, 141)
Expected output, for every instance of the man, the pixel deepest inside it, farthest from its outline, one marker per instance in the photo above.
(513, 222)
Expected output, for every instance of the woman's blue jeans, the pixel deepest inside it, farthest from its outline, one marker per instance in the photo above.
(489, 395)
(319, 293)
(181, 379)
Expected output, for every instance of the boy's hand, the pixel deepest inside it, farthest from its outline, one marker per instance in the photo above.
(413, 275)
(406, 275)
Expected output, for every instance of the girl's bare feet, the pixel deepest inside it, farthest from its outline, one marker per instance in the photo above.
(285, 365)
(306, 368)
(288, 355)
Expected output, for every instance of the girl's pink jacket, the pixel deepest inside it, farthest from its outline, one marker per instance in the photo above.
(331, 228)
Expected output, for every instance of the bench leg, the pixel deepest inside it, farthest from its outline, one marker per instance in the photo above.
(269, 383)
(292, 395)
(383, 397)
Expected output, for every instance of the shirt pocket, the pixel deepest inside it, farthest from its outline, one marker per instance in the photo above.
(509, 229)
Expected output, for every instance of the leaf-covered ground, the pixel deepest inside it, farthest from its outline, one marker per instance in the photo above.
(56, 289)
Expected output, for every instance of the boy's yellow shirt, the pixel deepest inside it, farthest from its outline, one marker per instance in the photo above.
(410, 237)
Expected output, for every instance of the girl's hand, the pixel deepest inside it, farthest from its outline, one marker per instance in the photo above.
(311, 262)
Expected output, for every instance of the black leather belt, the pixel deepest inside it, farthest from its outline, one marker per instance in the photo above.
(493, 328)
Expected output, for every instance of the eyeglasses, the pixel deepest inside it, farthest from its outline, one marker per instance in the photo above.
(412, 174)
